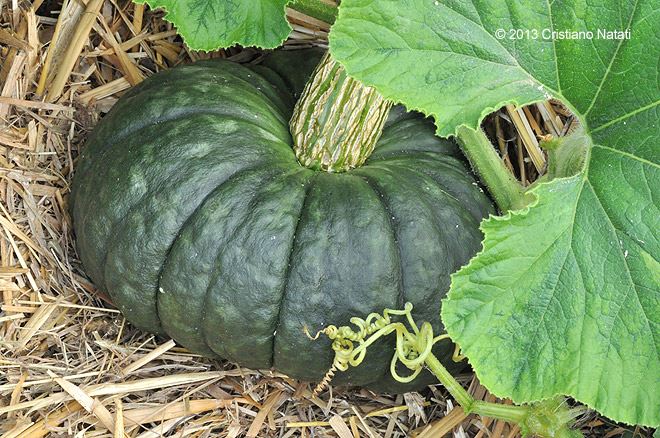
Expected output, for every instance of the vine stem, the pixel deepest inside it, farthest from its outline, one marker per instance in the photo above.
(515, 414)
(508, 193)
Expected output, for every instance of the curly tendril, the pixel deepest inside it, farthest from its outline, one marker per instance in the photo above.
(350, 343)
(547, 418)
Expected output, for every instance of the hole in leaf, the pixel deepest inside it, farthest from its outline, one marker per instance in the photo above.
(517, 134)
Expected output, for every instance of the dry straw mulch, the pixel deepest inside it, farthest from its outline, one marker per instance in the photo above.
(70, 365)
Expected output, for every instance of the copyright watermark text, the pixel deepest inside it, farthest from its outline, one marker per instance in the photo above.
(555, 35)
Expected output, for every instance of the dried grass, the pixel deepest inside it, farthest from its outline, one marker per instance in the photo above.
(69, 364)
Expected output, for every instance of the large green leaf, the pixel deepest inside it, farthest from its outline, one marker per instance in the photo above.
(565, 296)
(210, 24)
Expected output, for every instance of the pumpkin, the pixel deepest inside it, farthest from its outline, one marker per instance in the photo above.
(192, 212)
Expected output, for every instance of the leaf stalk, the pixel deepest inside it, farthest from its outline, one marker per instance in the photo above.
(508, 193)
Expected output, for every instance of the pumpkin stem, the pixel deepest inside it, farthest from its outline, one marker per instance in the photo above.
(337, 121)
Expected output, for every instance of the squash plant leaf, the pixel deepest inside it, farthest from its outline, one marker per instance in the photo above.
(211, 24)
(565, 296)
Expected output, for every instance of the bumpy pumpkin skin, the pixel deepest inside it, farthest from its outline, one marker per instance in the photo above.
(192, 212)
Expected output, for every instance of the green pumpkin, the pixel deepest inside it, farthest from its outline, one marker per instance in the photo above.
(192, 212)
